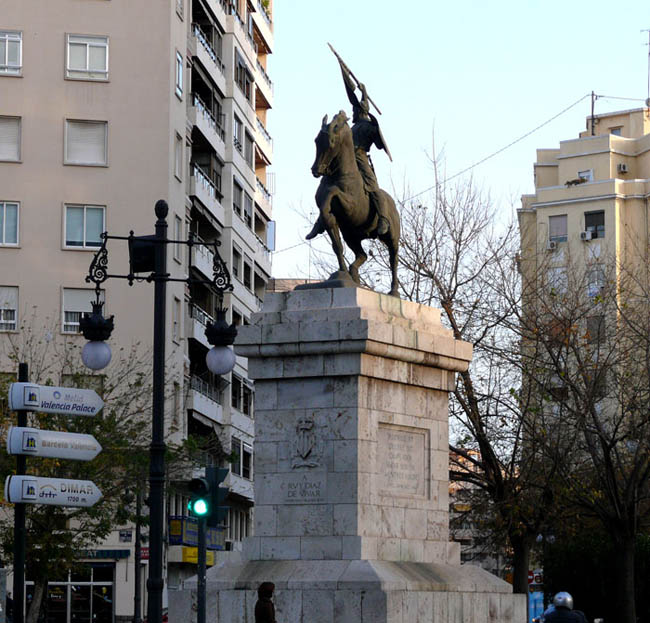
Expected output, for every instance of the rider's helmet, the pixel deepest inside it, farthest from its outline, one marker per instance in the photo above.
(563, 600)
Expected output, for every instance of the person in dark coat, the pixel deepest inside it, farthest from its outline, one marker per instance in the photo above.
(264, 608)
(564, 612)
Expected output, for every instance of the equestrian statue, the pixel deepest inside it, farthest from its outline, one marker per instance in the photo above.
(349, 199)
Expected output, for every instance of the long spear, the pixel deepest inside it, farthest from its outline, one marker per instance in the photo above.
(342, 62)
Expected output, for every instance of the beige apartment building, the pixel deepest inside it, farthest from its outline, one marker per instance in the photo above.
(591, 197)
(105, 107)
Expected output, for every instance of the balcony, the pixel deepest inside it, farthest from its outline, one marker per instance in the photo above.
(204, 399)
(206, 53)
(263, 196)
(202, 260)
(200, 320)
(263, 141)
(263, 255)
(210, 127)
(206, 191)
(264, 85)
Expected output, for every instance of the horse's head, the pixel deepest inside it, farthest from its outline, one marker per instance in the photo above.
(328, 142)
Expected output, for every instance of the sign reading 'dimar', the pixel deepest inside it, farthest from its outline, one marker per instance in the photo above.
(65, 400)
(52, 444)
(53, 491)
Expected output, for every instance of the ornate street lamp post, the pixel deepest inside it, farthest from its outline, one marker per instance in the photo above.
(148, 254)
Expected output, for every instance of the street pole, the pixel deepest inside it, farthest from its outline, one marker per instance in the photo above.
(19, 521)
(137, 596)
(155, 582)
(200, 615)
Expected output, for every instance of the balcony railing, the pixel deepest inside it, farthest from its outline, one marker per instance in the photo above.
(202, 107)
(203, 38)
(265, 14)
(263, 189)
(204, 388)
(202, 178)
(200, 315)
(265, 75)
(262, 129)
(262, 248)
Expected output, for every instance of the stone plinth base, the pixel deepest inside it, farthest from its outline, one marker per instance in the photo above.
(355, 591)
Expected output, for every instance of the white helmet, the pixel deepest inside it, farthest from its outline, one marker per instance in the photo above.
(563, 600)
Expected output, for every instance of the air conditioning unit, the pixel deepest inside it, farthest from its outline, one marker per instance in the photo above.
(621, 167)
(586, 235)
(551, 245)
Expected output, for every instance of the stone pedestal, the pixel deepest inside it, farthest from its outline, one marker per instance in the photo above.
(351, 469)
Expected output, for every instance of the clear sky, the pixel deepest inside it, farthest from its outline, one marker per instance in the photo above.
(478, 74)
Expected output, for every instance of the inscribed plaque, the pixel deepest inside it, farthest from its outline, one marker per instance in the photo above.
(402, 453)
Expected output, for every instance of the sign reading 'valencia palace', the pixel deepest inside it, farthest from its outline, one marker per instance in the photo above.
(63, 400)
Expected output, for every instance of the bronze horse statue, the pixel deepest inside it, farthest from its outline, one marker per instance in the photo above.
(343, 202)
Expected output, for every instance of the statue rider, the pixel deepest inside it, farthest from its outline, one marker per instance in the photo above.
(365, 134)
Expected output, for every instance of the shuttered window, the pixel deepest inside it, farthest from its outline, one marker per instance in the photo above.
(8, 308)
(75, 302)
(86, 142)
(10, 139)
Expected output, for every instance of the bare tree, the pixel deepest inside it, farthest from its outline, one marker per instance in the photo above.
(586, 345)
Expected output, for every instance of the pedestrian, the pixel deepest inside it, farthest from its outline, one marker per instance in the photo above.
(264, 608)
(564, 612)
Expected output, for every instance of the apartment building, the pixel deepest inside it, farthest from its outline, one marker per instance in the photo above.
(105, 107)
(591, 196)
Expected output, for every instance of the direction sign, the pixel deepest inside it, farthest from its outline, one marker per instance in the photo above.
(65, 400)
(52, 444)
(52, 491)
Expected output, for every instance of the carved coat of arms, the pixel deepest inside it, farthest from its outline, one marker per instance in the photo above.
(306, 445)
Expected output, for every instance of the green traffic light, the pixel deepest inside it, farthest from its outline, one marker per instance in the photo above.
(198, 507)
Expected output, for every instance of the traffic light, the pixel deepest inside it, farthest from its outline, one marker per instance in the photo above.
(200, 503)
(208, 498)
(219, 509)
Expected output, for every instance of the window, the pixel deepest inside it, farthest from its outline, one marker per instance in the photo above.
(616, 131)
(248, 263)
(238, 133)
(10, 139)
(179, 74)
(180, 9)
(87, 58)
(248, 149)
(237, 191)
(8, 308)
(8, 223)
(178, 157)
(557, 228)
(595, 223)
(595, 329)
(236, 263)
(11, 52)
(247, 400)
(242, 464)
(248, 210)
(178, 236)
(557, 280)
(84, 226)
(235, 450)
(243, 77)
(76, 302)
(176, 320)
(595, 280)
(86, 142)
(587, 175)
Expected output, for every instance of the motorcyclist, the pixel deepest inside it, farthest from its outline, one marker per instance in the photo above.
(563, 610)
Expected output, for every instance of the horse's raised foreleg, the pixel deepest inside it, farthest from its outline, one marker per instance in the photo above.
(359, 258)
